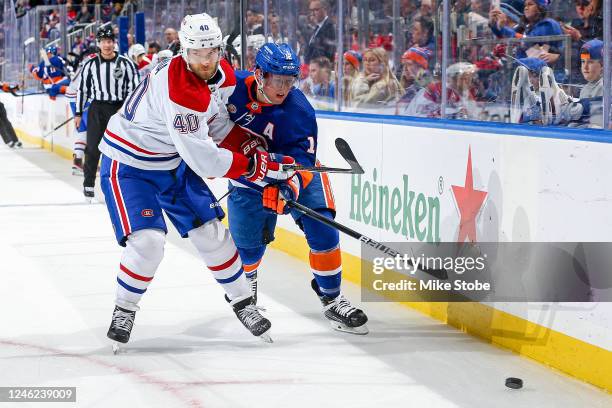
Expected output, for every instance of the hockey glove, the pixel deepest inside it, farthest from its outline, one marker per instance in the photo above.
(274, 195)
(264, 166)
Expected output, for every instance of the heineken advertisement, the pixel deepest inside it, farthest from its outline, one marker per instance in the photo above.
(395, 207)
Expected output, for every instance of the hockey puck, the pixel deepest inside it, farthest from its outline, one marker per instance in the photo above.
(514, 383)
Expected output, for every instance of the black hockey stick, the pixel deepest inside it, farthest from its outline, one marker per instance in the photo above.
(13, 91)
(347, 154)
(436, 273)
(57, 127)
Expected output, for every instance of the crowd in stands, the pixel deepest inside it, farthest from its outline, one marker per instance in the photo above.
(377, 71)
(378, 75)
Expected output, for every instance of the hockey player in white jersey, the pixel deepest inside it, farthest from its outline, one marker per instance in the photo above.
(172, 121)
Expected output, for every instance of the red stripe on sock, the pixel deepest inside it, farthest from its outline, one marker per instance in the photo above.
(134, 275)
(225, 264)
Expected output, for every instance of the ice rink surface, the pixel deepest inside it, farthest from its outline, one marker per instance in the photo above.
(58, 267)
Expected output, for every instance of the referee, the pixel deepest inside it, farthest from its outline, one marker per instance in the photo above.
(108, 79)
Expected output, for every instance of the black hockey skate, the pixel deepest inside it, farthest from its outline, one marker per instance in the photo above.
(121, 326)
(90, 195)
(248, 314)
(341, 314)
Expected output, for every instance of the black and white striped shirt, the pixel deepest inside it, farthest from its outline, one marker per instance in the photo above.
(106, 80)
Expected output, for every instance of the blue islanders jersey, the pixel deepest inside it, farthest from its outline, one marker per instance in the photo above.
(289, 128)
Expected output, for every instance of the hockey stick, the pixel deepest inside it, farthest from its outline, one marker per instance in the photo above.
(347, 154)
(57, 127)
(13, 91)
(436, 273)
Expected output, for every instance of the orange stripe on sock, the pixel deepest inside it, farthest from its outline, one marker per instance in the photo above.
(251, 267)
(326, 261)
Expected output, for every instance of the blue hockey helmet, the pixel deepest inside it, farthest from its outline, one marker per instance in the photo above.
(278, 59)
(52, 49)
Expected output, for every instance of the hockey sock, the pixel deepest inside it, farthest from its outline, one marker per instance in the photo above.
(79, 144)
(327, 270)
(251, 258)
(142, 255)
(217, 249)
(325, 258)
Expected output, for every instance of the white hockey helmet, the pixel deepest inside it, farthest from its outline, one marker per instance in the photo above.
(199, 31)
(136, 50)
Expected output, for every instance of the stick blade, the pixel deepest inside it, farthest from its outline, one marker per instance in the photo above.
(347, 154)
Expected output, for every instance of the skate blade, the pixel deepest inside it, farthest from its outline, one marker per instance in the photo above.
(76, 172)
(265, 337)
(361, 330)
(90, 200)
(116, 347)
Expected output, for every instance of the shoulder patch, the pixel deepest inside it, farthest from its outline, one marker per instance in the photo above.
(228, 71)
(185, 88)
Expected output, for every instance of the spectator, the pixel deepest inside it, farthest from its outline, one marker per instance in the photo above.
(423, 33)
(322, 41)
(585, 111)
(350, 72)
(460, 95)
(154, 48)
(415, 75)
(525, 102)
(275, 32)
(172, 40)
(252, 23)
(85, 15)
(589, 24)
(534, 23)
(319, 84)
(382, 86)
(477, 22)
(507, 16)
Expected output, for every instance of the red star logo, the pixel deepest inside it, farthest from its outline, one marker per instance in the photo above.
(469, 202)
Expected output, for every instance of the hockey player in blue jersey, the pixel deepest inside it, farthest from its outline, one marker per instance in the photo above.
(51, 72)
(282, 121)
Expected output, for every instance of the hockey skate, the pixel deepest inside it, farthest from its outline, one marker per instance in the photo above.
(121, 327)
(248, 314)
(341, 314)
(90, 195)
(77, 166)
(554, 99)
(524, 103)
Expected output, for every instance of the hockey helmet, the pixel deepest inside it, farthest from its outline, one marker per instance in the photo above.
(51, 49)
(136, 50)
(200, 31)
(105, 31)
(278, 59)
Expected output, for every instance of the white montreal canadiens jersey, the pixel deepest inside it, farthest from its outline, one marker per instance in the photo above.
(170, 116)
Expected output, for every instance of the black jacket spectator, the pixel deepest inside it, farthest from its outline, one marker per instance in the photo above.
(322, 39)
